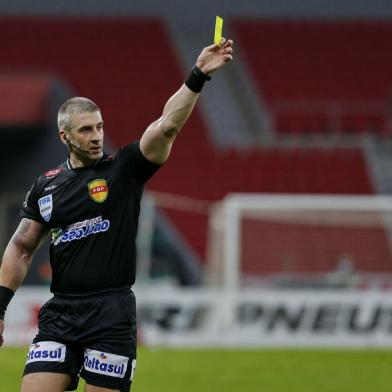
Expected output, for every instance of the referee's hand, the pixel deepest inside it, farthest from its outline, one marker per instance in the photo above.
(214, 56)
(1, 332)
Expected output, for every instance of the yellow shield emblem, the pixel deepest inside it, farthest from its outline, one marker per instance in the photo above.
(98, 190)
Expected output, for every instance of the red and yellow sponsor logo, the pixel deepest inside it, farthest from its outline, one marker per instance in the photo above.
(98, 190)
(53, 173)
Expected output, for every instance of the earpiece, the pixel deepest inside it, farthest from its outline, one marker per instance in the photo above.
(69, 143)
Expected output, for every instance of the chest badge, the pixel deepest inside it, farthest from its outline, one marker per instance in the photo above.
(98, 190)
(45, 205)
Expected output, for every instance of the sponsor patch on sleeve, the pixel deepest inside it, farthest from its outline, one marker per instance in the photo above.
(105, 363)
(45, 205)
(46, 352)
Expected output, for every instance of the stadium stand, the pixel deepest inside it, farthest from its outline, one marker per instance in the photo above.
(320, 76)
(214, 174)
(105, 60)
(296, 247)
(23, 100)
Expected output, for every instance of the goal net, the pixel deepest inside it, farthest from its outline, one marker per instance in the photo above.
(293, 241)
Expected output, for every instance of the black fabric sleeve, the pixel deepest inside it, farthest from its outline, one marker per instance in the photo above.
(135, 164)
(30, 207)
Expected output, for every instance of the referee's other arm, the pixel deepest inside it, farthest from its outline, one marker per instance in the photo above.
(17, 258)
(158, 138)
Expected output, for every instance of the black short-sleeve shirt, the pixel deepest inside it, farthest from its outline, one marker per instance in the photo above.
(92, 213)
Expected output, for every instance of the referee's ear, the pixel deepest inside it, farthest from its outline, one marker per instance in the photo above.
(63, 137)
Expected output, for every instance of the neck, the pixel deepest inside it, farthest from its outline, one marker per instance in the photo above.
(78, 162)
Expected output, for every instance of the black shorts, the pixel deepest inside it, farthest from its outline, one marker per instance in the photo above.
(93, 336)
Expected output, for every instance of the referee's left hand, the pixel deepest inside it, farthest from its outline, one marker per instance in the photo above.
(214, 56)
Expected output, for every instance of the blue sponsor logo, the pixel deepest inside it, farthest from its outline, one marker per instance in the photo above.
(46, 351)
(80, 230)
(104, 368)
(105, 363)
(77, 234)
(43, 354)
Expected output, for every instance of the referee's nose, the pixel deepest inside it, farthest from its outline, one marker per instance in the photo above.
(97, 135)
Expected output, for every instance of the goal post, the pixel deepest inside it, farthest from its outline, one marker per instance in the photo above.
(320, 240)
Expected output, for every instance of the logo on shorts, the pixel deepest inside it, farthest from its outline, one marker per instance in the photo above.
(46, 352)
(45, 205)
(98, 190)
(105, 363)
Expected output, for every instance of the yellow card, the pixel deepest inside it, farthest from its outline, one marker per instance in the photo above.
(218, 30)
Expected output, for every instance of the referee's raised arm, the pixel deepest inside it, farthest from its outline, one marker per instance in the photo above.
(158, 138)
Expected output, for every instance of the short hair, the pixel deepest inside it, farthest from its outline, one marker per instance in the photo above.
(72, 106)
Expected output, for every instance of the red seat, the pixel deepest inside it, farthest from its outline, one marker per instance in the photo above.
(311, 66)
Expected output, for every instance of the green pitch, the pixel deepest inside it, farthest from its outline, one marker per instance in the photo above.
(242, 370)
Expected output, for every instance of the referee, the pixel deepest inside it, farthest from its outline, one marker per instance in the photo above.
(89, 205)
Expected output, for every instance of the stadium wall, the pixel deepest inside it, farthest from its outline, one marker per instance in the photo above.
(252, 318)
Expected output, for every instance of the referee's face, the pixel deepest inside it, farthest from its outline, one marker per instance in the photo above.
(85, 139)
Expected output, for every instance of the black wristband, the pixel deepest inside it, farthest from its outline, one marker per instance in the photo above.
(196, 80)
(6, 295)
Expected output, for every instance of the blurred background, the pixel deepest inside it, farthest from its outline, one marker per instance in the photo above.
(271, 223)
